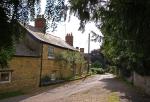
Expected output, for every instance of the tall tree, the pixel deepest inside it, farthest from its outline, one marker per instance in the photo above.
(125, 26)
(97, 57)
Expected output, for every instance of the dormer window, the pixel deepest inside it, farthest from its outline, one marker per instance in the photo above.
(50, 52)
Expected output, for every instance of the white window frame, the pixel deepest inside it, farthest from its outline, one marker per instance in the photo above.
(9, 80)
(50, 52)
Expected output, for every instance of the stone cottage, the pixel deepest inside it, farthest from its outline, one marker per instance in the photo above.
(34, 58)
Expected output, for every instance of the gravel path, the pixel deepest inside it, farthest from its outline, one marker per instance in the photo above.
(93, 89)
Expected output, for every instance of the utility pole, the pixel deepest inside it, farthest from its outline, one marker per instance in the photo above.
(88, 54)
(65, 27)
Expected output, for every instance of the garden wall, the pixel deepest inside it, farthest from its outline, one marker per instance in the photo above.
(142, 82)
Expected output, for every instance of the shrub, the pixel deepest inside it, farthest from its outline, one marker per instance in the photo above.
(112, 69)
(98, 70)
(96, 64)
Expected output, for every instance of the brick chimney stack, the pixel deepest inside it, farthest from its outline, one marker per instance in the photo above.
(82, 50)
(69, 39)
(40, 23)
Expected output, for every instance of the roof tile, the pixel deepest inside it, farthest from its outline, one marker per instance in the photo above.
(48, 38)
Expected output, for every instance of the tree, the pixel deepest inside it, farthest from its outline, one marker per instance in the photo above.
(62, 61)
(96, 64)
(14, 12)
(80, 61)
(97, 58)
(125, 26)
(66, 59)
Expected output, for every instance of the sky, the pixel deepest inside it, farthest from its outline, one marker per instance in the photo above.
(80, 39)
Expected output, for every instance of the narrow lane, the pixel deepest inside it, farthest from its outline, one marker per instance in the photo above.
(93, 89)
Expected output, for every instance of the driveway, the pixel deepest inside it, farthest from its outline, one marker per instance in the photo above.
(93, 89)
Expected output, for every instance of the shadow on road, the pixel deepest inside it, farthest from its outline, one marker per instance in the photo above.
(39, 91)
(127, 93)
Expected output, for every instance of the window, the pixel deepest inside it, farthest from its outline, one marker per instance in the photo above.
(50, 52)
(5, 76)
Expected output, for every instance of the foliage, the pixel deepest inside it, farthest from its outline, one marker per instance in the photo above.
(97, 57)
(67, 58)
(97, 70)
(70, 58)
(125, 26)
(112, 69)
(5, 54)
(113, 97)
(61, 58)
(56, 11)
(62, 61)
(96, 64)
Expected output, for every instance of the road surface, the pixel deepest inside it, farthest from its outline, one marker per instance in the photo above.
(96, 88)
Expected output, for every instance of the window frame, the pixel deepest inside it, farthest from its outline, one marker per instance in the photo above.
(50, 52)
(10, 76)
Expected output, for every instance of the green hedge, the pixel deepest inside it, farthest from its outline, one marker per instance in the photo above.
(98, 70)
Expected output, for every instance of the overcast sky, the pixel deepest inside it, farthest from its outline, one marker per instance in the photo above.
(80, 39)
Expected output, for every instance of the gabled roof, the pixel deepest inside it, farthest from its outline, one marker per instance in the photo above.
(48, 38)
(23, 50)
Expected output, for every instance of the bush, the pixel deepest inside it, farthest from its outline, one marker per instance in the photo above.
(96, 64)
(98, 70)
(113, 69)
(93, 71)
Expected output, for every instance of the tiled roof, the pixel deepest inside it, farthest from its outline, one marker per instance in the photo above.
(48, 38)
(23, 50)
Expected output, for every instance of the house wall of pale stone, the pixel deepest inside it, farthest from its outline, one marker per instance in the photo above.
(25, 74)
(26, 70)
(142, 81)
(50, 65)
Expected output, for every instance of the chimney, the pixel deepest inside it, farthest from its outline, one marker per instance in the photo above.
(69, 39)
(77, 48)
(40, 23)
(82, 50)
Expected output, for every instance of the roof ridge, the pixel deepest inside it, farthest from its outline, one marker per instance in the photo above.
(53, 35)
(41, 32)
(27, 25)
(47, 37)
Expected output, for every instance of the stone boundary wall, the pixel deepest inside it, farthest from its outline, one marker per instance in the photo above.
(142, 82)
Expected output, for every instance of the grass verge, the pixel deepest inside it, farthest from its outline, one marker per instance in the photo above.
(113, 97)
(10, 94)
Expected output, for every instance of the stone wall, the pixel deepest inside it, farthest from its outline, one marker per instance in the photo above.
(25, 74)
(50, 65)
(26, 71)
(142, 82)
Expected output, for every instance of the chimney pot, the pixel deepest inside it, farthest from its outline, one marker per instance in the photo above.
(82, 50)
(40, 23)
(69, 39)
